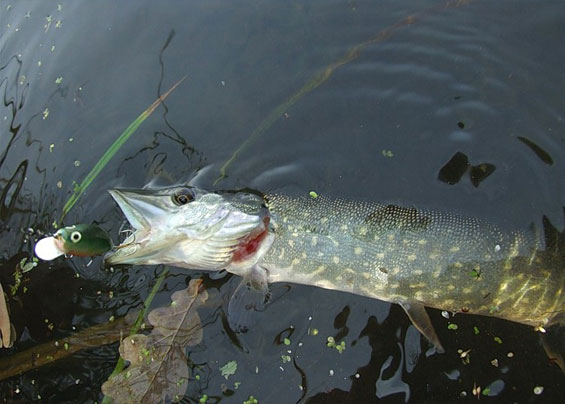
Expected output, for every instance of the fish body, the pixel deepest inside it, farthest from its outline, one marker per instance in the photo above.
(408, 255)
(400, 254)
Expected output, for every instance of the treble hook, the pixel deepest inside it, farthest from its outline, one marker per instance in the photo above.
(129, 243)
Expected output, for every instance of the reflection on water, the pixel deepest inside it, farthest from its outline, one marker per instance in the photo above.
(454, 169)
(452, 172)
(393, 384)
(380, 101)
(542, 154)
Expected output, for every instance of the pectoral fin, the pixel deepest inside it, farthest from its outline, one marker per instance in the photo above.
(249, 298)
(417, 314)
(553, 344)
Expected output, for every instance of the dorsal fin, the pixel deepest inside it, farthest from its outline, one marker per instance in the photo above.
(398, 218)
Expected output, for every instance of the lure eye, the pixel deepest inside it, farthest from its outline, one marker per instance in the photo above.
(183, 197)
(75, 236)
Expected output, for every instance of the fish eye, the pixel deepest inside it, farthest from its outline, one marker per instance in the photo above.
(75, 236)
(183, 197)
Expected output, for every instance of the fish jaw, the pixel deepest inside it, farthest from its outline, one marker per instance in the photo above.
(205, 233)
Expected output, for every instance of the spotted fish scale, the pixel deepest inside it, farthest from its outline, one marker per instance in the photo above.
(402, 254)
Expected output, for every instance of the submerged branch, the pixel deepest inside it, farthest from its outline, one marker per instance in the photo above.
(95, 336)
(49, 352)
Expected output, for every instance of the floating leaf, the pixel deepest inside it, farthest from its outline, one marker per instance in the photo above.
(158, 370)
(229, 369)
(26, 265)
(251, 400)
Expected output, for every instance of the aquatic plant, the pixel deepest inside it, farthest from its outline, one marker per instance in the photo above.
(112, 150)
(158, 365)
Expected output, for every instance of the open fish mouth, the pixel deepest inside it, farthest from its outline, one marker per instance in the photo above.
(137, 210)
(207, 231)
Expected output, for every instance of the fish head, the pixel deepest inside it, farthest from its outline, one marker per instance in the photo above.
(189, 227)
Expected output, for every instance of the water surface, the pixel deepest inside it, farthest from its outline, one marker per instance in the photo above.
(452, 105)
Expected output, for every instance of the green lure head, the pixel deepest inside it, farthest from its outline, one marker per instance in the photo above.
(83, 240)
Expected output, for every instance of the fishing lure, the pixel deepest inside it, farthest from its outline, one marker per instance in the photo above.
(83, 240)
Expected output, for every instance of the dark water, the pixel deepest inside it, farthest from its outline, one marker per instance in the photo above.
(456, 105)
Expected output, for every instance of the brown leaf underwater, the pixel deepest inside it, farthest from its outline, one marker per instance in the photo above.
(5, 326)
(158, 369)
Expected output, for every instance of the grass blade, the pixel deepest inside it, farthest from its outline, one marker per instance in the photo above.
(320, 78)
(79, 190)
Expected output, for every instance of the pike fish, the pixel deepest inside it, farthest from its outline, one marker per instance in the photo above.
(413, 257)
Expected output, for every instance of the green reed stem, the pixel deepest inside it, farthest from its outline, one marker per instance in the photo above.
(137, 325)
(79, 189)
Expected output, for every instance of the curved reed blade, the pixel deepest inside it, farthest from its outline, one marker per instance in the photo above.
(125, 135)
(320, 78)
